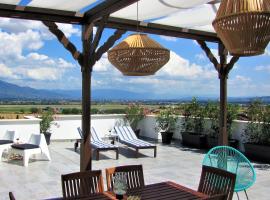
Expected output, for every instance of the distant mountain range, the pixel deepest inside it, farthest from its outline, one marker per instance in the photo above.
(10, 91)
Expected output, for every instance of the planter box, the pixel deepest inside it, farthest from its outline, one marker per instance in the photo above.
(213, 142)
(194, 140)
(257, 152)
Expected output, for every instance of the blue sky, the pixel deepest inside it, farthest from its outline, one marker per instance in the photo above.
(31, 56)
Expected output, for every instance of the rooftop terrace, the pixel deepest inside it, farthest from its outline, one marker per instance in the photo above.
(41, 179)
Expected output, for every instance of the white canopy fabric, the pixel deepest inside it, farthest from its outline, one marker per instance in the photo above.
(15, 2)
(190, 14)
(68, 5)
(151, 9)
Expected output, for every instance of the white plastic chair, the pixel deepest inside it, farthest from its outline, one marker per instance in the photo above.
(35, 139)
(6, 141)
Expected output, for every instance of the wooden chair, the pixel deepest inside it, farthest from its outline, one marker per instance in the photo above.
(215, 181)
(82, 184)
(135, 177)
(11, 196)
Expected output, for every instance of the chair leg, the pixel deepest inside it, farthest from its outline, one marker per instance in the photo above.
(76, 145)
(26, 157)
(45, 150)
(97, 154)
(155, 151)
(246, 194)
(117, 154)
(237, 195)
(1, 153)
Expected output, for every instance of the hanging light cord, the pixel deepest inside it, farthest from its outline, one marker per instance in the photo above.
(137, 17)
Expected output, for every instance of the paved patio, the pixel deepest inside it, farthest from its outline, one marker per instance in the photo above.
(41, 179)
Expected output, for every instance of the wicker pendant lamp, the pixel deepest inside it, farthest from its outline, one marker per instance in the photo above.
(243, 26)
(138, 55)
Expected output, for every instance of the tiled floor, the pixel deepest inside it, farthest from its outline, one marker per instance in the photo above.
(41, 179)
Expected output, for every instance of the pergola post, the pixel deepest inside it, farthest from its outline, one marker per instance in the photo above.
(223, 76)
(86, 69)
(223, 68)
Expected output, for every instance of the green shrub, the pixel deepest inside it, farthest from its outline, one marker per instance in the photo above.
(134, 114)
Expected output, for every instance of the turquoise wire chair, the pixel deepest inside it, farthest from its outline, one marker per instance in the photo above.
(230, 159)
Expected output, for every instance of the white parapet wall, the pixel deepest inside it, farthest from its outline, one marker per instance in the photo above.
(22, 127)
(147, 127)
(64, 127)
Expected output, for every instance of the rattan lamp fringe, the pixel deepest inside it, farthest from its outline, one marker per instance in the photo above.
(243, 26)
(138, 55)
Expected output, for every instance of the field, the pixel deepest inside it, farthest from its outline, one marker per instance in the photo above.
(18, 111)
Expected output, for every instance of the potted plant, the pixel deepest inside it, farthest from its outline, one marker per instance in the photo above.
(257, 133)
(134, 114)
(193, 125)
(166, 124)
(213, 115)
(45, 124)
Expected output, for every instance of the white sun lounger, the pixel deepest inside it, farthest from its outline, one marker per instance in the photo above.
(128, 137)
(98, 144)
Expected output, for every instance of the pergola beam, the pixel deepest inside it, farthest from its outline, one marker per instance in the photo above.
(40, 14)
(159, 29)
(53, 28)
(106, 8)
(60, 16)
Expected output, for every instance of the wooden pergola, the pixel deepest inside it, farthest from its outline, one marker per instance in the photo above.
(99, 16)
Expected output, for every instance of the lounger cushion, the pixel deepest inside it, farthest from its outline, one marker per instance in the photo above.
(24, 146)
(6, 142)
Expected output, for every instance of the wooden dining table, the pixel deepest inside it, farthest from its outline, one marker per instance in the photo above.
(158, 191)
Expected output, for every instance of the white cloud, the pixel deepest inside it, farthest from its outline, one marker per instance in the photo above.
(167, 38)
(6, 72)
(263, 68)
(16, 64)
(103, 64)
(20, 26)
(180, 67)
(41, 73)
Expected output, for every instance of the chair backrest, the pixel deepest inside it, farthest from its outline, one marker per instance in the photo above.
(36, 139)
(82, 184)
(9, 135)
(216, 181)
(123, 133)
(11, 196)
(94, 135)
(135, 178)
(80, 132)
(129, 130)
(230, 159)
(119, 132)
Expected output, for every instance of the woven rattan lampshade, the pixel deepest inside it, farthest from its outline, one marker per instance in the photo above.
(244, 26)
(138, 55)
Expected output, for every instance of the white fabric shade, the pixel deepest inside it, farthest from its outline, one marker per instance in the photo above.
(190, 14)
(199, 18)
(15, 2)
(151, 9)
(68, 5)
